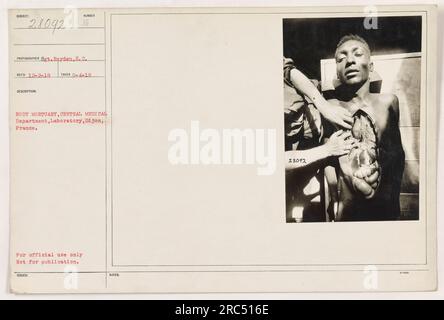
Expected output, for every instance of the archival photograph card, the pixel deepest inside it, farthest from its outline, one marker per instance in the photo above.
(223, 150)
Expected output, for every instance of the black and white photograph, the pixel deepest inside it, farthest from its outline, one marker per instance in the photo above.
(148, 153)
(352, 103)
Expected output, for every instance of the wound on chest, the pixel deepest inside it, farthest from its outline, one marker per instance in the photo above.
(366, 151)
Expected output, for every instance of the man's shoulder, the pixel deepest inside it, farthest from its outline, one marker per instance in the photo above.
(388, 102)
(386, 99)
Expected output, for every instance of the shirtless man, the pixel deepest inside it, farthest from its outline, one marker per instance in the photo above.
(366, 183)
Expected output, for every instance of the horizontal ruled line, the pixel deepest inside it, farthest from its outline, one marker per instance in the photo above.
(57, 29)
(92, 60)
(59, 44)
(59, 77)
(267, 265)
(217, 271)
(252, 13)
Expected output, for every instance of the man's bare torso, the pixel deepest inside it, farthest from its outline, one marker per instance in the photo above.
(356, 204)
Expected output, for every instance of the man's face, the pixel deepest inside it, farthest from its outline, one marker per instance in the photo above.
(353, 64)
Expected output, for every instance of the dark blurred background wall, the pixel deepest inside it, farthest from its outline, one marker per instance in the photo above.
(307, 41)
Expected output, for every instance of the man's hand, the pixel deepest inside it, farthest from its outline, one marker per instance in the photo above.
(336, 114)
(339, 144)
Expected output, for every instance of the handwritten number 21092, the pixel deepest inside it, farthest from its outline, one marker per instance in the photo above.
(43, 23)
